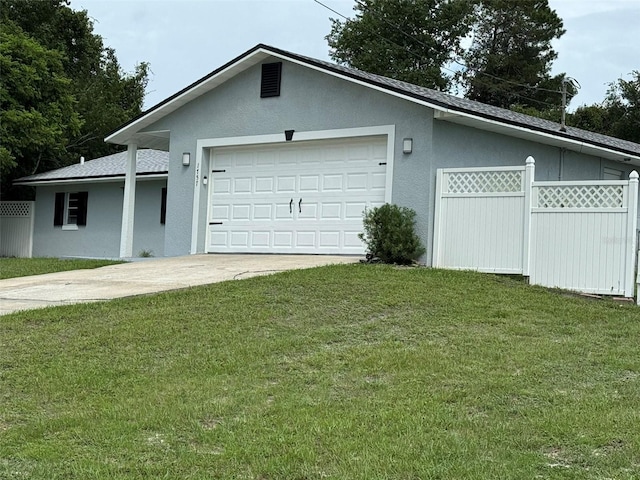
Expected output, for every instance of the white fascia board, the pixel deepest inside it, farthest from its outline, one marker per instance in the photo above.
(114, 179)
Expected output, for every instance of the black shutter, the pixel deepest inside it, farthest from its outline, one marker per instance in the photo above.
(270, 85)
(58, 213)
(163, 206)
(82, 207)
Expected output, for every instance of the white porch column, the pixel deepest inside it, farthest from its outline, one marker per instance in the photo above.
(129, 203)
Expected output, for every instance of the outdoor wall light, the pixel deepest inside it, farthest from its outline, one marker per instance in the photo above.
(407, 145)
(186, 159)
(288, 135)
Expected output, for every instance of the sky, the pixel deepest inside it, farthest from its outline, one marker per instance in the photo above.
(183, 40)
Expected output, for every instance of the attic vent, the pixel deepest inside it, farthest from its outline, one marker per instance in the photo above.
(270, 85)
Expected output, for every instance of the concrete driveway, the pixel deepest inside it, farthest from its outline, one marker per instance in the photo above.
(146, 276)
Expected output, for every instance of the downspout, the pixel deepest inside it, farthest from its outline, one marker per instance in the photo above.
(561, 164)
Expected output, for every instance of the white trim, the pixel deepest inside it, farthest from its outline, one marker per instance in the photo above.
(388, 130)
(118, 179)
(483, 169)
(70, 226)
(195, 211)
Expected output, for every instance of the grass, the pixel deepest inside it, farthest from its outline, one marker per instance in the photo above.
(342, 372)
(22, 267)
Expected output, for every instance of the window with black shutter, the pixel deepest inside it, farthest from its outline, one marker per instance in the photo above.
(70, 209)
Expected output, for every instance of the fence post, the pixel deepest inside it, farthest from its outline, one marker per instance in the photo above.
(529, 176)
(632, 223)
(435, 256)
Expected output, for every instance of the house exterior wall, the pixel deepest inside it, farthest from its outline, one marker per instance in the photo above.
(309, 101)
(315, 101)
(100, 238)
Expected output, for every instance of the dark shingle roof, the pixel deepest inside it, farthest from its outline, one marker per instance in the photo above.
(149, 162)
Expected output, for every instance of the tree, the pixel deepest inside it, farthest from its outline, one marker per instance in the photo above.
(103, 96)
(409, 40)
(510, 57)
(37, 108)
(618, 115)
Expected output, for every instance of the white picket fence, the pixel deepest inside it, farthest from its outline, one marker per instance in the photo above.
(573, 235)
(16, 229)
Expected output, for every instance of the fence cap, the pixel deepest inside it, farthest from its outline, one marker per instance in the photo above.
(530, 160)
(633, 176)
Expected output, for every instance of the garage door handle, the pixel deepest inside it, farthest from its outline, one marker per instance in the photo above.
(300, 206)
(291, 206)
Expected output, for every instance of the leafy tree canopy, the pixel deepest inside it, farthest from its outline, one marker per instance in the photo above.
(511, 55)
(409, 40)
(78, 89)
(618, 115)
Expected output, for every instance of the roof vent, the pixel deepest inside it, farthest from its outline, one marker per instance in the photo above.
(270, 85)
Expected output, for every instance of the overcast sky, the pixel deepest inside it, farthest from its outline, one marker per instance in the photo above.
(183, 40)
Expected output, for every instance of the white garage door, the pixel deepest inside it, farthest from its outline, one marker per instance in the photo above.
(303, 197)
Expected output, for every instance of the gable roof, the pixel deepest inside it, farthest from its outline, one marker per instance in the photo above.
(446, 107)
(149, 164)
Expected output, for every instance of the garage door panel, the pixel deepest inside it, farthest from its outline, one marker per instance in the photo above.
(222, 185)
(262, 211)
(295, 198)
(357, 181)
(305, 238)
(283, 211)
(239, 238)
(332, 183)
(260, 238)
(286, 184)
(266, 158)
(331, 211)
(220, 213)
(264, 185)
(354, 210)
(283, 239)
(309, 183)
(242, 185)
(241, 212)
(378, 181)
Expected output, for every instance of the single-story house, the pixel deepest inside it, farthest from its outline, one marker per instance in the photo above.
(276, 152)
(79, 207)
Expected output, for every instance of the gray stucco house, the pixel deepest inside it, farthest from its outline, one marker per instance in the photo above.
(79, 208)
(275, 152)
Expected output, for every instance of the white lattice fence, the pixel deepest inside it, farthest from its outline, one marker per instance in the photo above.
(16, 229)
(583, 236)
(480, 222)
(573, 235)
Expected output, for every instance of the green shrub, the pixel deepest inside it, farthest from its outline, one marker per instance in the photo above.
(389, 234)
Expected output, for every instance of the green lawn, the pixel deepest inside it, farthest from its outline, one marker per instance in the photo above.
(343, 372)
(23, 267)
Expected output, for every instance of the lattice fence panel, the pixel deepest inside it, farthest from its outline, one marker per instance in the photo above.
(15, 209)
(581, 196)
(507, 181)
